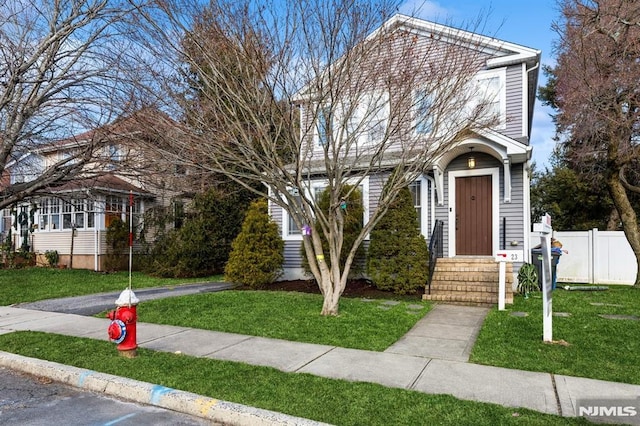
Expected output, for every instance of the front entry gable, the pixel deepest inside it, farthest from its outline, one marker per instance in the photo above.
(504, 149)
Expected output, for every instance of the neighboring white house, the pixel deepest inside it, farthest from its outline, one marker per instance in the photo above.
(121, 182)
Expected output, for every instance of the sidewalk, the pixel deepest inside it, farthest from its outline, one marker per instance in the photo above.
(406, 364)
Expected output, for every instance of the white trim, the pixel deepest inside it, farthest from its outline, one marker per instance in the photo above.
(525, 101)
(495, 208)
(432, 205)
(439, 183)
(507, 180)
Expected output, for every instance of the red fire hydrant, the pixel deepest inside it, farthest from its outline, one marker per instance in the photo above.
(122, 329)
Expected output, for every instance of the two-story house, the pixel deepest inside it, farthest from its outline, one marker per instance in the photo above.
(123, 179)
(473, 196)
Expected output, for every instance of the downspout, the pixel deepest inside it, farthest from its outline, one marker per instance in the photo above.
(95, 248)
(526, 213)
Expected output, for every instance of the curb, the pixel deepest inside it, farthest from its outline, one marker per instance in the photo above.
(147, 393)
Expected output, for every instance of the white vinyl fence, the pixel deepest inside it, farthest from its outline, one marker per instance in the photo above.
(594, 257)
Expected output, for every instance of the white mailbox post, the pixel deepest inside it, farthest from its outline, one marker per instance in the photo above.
(502, 257)
(545, 230)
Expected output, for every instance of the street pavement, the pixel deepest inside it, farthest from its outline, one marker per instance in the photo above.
(431, 358)
(28, 400)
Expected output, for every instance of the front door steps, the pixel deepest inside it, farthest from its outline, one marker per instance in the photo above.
(469, 281)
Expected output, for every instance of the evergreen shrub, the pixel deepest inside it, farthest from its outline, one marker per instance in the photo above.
(256, 256)
(398, 256)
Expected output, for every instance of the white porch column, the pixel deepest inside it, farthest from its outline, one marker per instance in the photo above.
(438, 175)
(507, 180)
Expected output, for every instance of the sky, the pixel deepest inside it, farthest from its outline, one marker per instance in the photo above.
(522, 22)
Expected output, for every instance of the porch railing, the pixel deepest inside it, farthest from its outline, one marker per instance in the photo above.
(435, 250)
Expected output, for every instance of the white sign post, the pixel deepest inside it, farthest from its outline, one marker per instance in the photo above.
(545, 230)
(502, 257)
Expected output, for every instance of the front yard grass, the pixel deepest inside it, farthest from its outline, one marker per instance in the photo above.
(32, 284)
(596, 347)
(333, 401)
(371, 325)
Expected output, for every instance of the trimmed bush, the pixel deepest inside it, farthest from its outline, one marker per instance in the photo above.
(398, 257)
(256, 256)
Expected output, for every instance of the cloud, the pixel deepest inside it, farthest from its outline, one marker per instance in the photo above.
(424, 9)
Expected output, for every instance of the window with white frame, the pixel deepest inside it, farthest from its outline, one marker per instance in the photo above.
(491, 92)
(293, 228)
(416, 193)
(292, 231)
(56, 214)
(364, 119)
(324, 125)
(423, 114)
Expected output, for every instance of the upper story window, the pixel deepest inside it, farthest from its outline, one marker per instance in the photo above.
(491, 91)
(363, 120)
(26, 169)
(423, 115)
(324, 125)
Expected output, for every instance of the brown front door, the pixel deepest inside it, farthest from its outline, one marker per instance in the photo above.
(473, 216)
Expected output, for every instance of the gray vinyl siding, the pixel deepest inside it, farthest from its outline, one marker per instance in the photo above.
(276, 214)
(292, 254)
(513, 211)
(376, 183)
(514, 94)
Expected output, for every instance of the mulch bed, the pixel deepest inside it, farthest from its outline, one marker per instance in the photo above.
(355, 288)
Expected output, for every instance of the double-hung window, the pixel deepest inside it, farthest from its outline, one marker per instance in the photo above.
(423, 111)
(491, 92)
(291, 231)
(324, 125)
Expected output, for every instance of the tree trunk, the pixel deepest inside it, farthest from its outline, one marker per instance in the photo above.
(628, 218)
(331, 303)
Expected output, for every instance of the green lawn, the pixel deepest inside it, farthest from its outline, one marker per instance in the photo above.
(31, 284)
(337, 402)
(371, 325)
(599, 348)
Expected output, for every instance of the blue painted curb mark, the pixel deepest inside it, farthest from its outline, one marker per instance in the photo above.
(83, 376)
(157, 392)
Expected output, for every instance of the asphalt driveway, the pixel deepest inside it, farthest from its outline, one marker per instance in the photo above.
(95, 303)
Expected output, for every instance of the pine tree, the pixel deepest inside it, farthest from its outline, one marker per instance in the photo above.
(398, 255)
(257, 252)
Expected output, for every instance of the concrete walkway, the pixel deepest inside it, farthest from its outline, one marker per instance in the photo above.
(447, 332)
(406, 365)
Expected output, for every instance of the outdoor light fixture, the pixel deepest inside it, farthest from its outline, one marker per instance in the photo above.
(471, 161)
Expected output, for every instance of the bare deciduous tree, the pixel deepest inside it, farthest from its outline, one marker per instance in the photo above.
(61, 74)
(597, 97)
(330, 91)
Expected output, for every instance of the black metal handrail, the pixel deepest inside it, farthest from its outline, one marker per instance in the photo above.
(435, 250)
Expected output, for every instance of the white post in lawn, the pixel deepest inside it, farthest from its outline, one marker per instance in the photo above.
(502, 257)
(544, 228)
